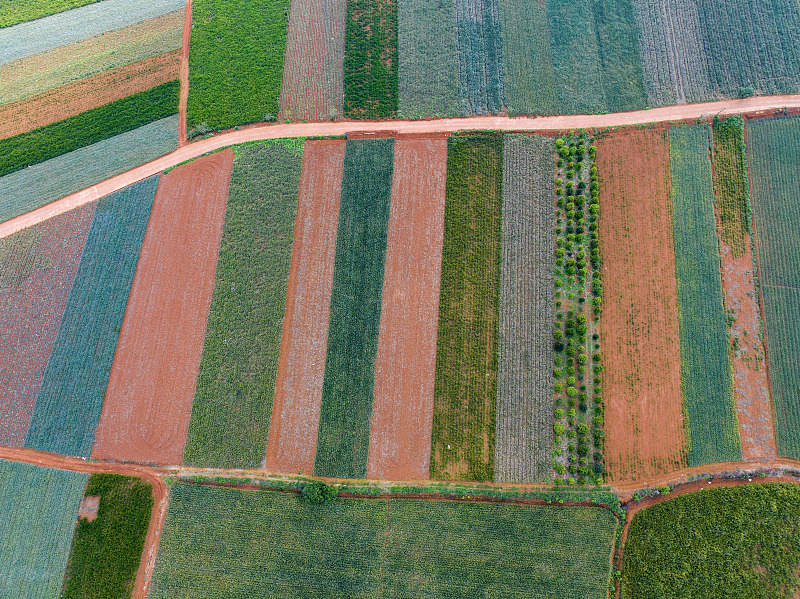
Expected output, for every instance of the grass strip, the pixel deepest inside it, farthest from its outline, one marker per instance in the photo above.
(20, 11)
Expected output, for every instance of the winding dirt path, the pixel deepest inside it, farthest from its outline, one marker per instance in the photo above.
(750, 106)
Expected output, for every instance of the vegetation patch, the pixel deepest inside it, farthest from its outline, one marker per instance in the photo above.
(20, 11)
(106, 552)
(480, 56)
(730, 182)
(463, 437)
(236, 383)
(732, 542)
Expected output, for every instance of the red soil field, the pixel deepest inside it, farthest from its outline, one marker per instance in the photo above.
(148, 403)
(405, 367)
(88, 93)
(639, 325)
(292, 443)
(37, 270)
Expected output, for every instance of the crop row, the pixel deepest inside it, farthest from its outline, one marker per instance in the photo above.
(480, 56)
(730, 182)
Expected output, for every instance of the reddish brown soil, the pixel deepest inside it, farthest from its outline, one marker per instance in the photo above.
(88, 508)
(184, 74)
(88, 93)
(639, 325)
(145, 416)
(292, 443)
(405, 367)
(36, 277)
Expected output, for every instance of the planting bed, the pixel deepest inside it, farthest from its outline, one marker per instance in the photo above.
(480, 56)
(405, 366)
(639, 328)
(146, 413)
(236, 383)
(358, 273)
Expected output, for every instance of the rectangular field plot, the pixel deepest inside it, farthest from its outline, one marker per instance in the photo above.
(220, 542)
(236, 383)
(463, 438)
(524, 436)
(38, 509)
(27, 10)
(71, 397)
(774, 158)
(348, 386)
(480, 56)
(707, 386)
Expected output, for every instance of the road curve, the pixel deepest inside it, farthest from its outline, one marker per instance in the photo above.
(501, 123)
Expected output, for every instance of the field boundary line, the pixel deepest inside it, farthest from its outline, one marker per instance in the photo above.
(183, 75)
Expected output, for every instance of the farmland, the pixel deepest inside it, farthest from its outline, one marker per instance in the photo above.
(774, 155)
(28, 10)
(639, 327)
(146, 411)
(38, 268)
(480, 56)
(313, 71)
(106, 552)
(235, 62)
(743, 544)
(39, 507)
(730, 183)
(405, 365)
(292, 442)
(524, 436)
(71, 396)
(358, 273)
(268, 544)
(370, 59)
(463, 437)
(707, 390)
(236, 382)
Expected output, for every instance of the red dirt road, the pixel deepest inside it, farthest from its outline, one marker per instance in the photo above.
(148, 403)
(405, 367)
(639, 324)
(292, 443)
(184, 74)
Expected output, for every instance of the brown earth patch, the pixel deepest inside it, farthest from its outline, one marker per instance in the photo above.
(292, 443)
(184, 74)
(639, 329)
(90, 504)
(405, 366)
(148, 403)
(94, 91)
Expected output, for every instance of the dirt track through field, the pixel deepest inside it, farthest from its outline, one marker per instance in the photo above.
(752, 105)
(292, 442)
(148, 403)
(184, 74)
(405, 366)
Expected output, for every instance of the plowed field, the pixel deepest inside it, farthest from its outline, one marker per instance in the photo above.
(639, 328)
(149, 399)
(292, 443)
(405, 367)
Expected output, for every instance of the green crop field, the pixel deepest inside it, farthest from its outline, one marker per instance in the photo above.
(730, 182)
(106, 552)
(732, 542)
(774, 156)
(707, 385)
(235, 62)
(221, 542)
(20, 11)
(38, 508)
(370, 59)
(233, 401)
(87, 128)
(480, 56)
(347, 389)
(463, 438)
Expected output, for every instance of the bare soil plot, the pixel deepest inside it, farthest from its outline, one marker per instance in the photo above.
(97, 90)
(292, 442)
(405, 367)
(639, 329)
(313, 70)
(146, 413)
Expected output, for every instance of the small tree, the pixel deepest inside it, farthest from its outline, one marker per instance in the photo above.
(317, 492)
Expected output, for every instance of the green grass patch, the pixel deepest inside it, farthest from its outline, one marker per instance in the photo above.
(463, 439)
(221, 542)
(706, 379)
(347, 389)
(235, 62)
(106, 552)
(236, 383)
(733, 542)
(38, 508)
(88, 127)
(370, 59)
(730, 182)
(13, 12)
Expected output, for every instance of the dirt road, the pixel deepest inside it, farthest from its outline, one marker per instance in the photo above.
(499, 123)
